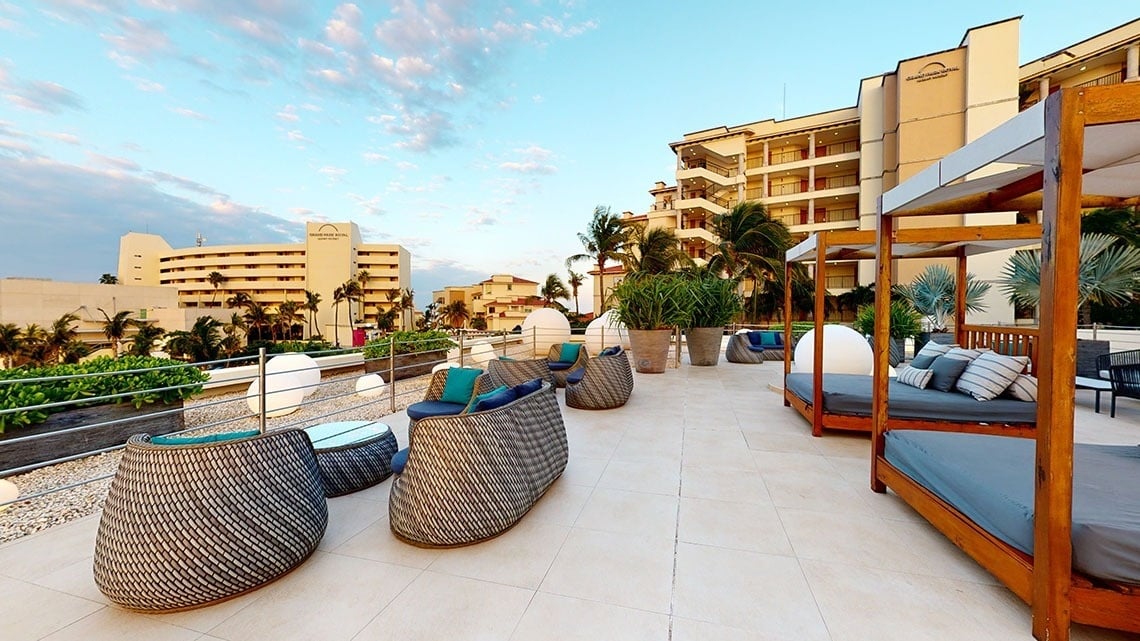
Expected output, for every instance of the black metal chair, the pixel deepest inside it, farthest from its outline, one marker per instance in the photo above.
(1124, 374)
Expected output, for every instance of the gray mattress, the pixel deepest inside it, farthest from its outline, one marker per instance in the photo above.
(850, 394)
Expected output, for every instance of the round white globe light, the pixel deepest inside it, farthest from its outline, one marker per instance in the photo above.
(283, 395)
(606, 331)
(482, 353)
(543, 328)
(8, 492)
(743, 331)
(845, 351)
(370, 386)
(303, 365)
(443, 366)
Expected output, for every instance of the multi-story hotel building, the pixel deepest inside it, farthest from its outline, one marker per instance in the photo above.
(826, 171)
(331, 254)
(503, 300)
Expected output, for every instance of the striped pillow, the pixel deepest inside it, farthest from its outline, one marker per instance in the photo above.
(929, 352)
(988, 375)
(1023, 388)
(962, 354)
(914, 376)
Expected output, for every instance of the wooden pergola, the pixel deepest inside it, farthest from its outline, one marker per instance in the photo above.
(1078, 149)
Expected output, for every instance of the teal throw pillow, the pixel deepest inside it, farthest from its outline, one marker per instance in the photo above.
(199, 440)
(460, 385)
(768, 339)
(569, 352)
(484, 395)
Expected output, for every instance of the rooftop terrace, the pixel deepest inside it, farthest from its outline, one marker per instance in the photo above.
(702, 510)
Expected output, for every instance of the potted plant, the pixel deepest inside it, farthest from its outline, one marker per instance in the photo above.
(415, 353)
(651, 306)
(905, 322)
(715, 302)
(932, 294)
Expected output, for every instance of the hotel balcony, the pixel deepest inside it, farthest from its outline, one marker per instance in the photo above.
(797, 186)
(715, 174)
(704, 201)
(696, 232)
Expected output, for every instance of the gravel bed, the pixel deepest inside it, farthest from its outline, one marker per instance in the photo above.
(334, 400)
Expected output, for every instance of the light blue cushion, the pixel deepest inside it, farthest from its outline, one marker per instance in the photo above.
(529, 387)
(500, 398)
(424, 409)
(399, 460)
(569, 352)
(460, 385)
(199, 440)
(575, 376)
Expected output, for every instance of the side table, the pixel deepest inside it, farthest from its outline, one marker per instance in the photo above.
(352, 455)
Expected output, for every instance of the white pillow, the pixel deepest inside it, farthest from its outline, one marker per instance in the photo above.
(1023, 388)
(915, 377)
(988, 375)
(963, 354)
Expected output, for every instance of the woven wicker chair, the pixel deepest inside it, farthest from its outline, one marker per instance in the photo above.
(606, 384)
(190, 525)
(738, 352)
(471, 477)
(561, 374)
(511, 373)
(435, 390)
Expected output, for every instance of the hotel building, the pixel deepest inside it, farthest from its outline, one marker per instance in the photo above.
(331, 254)
(827, 170)
(503, 300)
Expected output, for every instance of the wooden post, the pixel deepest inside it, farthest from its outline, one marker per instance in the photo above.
(882, 350)
(817, 353)
(960, 298)
(787, 329)
(1060, 262)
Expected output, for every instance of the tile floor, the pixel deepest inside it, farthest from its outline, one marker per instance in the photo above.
(702, 510)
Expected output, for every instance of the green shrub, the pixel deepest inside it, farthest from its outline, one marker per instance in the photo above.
(905, 321)
(408, 342)
(655, 301)
(15, 395)
(715, 300)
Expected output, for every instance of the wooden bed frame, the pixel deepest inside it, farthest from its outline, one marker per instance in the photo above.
(1046, 580)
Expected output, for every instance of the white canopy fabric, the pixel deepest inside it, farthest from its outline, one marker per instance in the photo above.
(862, 245)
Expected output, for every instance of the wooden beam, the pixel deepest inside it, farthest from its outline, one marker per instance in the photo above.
(882, 345)
(817, 316)
(1024, 231)
(1060, 262)
(1111, 104)
(787, 326)
(960, 297)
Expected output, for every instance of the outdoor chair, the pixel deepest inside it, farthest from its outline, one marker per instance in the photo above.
(189, 525)
(559, 363)
(740, 350)
(1123, 373)
(434, 403)
(514, 372)
(605, 383)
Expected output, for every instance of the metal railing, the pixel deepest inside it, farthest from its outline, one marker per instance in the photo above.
(838, 148)
(787, 156)
(784, 190)
(1109, 79)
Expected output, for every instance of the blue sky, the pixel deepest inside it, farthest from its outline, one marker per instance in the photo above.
(479, 135)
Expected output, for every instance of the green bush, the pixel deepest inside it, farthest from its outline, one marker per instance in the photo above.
(715, 300)
(284, 347)
(15, 395)
(905, 321)
(655, 301)
(408, 342)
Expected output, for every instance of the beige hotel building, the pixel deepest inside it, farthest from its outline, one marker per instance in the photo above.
(826, 170)
(331, 254)
(503, 300)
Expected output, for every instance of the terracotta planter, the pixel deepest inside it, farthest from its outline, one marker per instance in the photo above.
(704, 345)
(650, 349)
(407, 365)
(51, 446)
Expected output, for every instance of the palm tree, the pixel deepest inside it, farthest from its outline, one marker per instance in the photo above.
(257, 316)
(407, 307)
(108, 279)
(287, 317)
(751, 246)
(200, 343)
(215, 279)
(115, 328)
(9, 343)
(575, 281)
(604, 240)
(552, 290)
(312, 305)
(654, 251)
(235, 332)
(146, 335)
(362, 278)
(932, 294)
(239, 299)
(349, 291)
(456, 313)
(61, 334)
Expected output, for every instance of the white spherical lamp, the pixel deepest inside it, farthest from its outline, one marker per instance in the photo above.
(303, 365)
(482, 353)
(283, 395)
(543, 328)
(443, 366)
(845, 351)
(370, 386)
(606, 331)
(8, 492)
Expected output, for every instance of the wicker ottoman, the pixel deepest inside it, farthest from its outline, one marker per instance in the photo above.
(352, 455)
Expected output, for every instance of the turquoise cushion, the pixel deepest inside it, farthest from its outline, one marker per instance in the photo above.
(198, 440)
(498, 399)
(506, 358)
(399, 460)
(460, 384)
(569, 352)
(755, 338)
(475, 401)
(768, 339)
(529, 387)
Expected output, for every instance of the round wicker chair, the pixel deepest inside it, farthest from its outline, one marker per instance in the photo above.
(738, 352)
(190, 525)
(561, 374)
(606, 384)
(511, 373)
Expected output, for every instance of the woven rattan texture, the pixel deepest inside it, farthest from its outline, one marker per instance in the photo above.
(434, 391)
(560, 375)
(511, 373)
(738, 352)
(470, 477)
(354, 467)
(607, 384)
(185, 526)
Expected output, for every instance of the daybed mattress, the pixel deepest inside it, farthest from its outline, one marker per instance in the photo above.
(850, 394)
(990, 480)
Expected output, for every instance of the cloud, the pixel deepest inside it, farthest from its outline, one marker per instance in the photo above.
(369, 206)
(113, 164)
(190, 113)
(374, 157)
(334, 174)
(423, 131)
(185, 184)
(535, 160)
(149, 86)
(435, 274)
(288, 113)
(478, 217)
(343, 28)
(70, 139)
(37, 95)
(137, 40)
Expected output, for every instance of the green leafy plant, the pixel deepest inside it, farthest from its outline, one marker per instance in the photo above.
(407, 342)
(1109, 273)
(905, 321)
(932, 293)
(143, 386)
(654, 301)
(715, 301)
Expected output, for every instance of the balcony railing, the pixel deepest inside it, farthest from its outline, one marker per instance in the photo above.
(1110, 79)
(716, 169)
(787, 156)
(838, 148)
(754, 163)
(784, 190)
(793, 219)
(835, 182)
(836, 215)
(840, 282)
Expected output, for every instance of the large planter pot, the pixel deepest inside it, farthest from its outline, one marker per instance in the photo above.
(51, 445)
(942, 338)
(406, 365)
(704, 345)
(650, 349)
(897, 351)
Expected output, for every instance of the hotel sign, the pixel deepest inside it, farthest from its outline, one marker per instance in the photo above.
(932, 71)
(327, 232)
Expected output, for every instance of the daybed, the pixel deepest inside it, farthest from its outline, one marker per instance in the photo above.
(561, 364)
(514, 372)
(605, 383)
(470, 477)
(755, 346)
(189, 525)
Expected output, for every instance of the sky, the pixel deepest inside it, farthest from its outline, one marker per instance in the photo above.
(479, 135)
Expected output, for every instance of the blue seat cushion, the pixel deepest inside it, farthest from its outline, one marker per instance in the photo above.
(575, 376)
(756, 338)
(756, 348)
(569, 352)
(500, 398)
(399, 460)
(199, 440)
(610, 351)
(478, 397)
(424, 409)
(529, 387)
(559, 365)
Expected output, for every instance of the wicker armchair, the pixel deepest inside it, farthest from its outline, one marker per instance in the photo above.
(511, 373)
(561, 374)
(435, 391)
(469, 478)
(737, 350)
(606, 384)
(1124, 374)
(190, 525)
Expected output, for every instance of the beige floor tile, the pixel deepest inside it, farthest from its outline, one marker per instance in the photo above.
(725, 587)
(690, 630)
(378, 492)
(717, 449)
(377, 543)
(656, 442)
(561, 504)
(207, 618)
(780, 442)
(823, 492)
(724, 485)
(32, 612)
(634, 571)
(582, 470)
(41, 554)
(520, 557)
(438, 606)
(741, 526)
(77, 579)
(653, 476)
(845, 445)
(785, 463)
(351, 591)
(113, 624)
(348, 516)
(628, 512)
(597, 444)
(551, 616)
